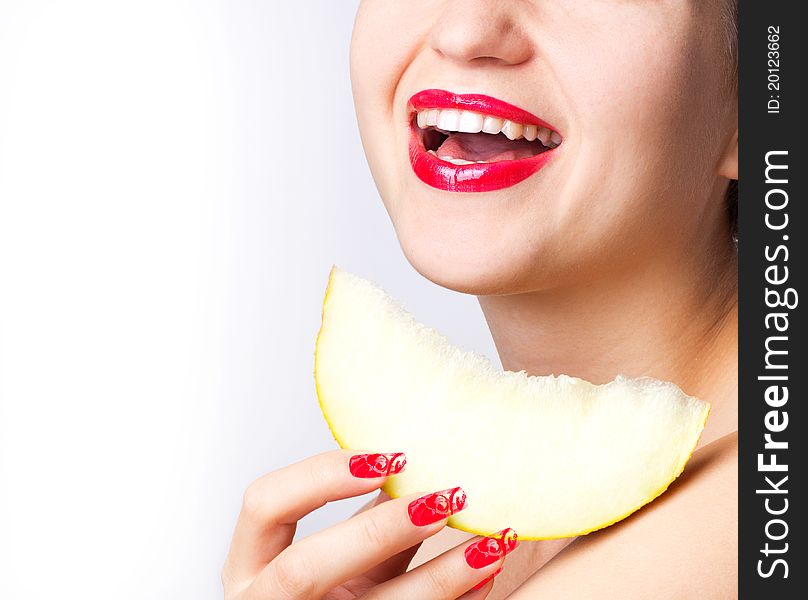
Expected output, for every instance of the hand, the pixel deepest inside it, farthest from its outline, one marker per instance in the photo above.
(367, 555)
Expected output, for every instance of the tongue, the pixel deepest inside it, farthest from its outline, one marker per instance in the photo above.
(484, 146)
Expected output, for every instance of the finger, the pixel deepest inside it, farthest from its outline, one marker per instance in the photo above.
(312, 566)
(396, 564)
(479, 592)
(393, 566)
(382, 496)
(274, 503)
(468, 567)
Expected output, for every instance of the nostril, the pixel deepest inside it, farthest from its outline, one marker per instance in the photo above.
(481, 32)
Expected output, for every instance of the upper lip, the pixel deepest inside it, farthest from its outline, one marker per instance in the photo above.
(480, 103)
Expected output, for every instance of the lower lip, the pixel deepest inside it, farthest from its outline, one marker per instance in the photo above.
(485, 177)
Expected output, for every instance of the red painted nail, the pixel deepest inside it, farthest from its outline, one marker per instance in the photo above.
(487, 579)
(490, 549)
(377, 465)
(434, 507)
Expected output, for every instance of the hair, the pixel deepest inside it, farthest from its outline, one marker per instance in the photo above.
(730, 20)
(731, 45)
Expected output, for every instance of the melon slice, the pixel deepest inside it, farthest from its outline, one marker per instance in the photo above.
(549, 456)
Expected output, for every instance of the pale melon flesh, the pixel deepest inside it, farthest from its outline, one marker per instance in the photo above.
(549, 456)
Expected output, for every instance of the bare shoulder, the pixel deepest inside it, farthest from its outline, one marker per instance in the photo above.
(682, 545)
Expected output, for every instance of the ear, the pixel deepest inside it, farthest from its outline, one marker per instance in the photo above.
(728, 165)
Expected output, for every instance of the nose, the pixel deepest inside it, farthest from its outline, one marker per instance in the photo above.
(478, 31)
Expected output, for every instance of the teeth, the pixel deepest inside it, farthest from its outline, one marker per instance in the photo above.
(492, 125)
(465, 121)
(421, 119)
(456, 161)
(448, 120)
(543, 134)
(470, 122)
(513, 131)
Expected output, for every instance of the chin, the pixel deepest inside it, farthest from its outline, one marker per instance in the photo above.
(480, 244)
(461, 269)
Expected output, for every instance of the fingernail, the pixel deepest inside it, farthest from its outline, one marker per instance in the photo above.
(377, 465)
(436, 506)
(487, 579)
(490, 549)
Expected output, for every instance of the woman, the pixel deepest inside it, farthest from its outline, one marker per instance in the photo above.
(596, 233)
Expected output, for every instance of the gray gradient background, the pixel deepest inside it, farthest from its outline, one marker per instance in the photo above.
(176, 179)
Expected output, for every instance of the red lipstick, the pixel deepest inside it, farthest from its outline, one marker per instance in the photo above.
(477, 103)
(475, 177)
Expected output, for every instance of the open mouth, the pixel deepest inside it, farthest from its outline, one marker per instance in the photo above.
(465, 137)
(475, 143)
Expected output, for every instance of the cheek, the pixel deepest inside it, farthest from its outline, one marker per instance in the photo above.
(643, 126)
(380, 55)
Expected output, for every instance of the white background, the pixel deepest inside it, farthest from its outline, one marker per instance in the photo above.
(176, 179)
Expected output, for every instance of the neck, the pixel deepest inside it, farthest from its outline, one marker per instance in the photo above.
(671, 319)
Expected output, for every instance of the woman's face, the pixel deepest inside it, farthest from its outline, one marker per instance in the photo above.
(635, 90)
